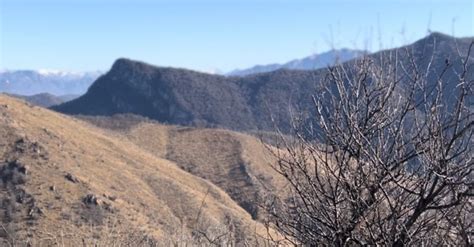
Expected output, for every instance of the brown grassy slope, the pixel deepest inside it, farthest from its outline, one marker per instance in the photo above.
(136, 190)
(237, 163)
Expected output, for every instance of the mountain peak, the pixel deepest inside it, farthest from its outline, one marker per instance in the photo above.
(126, 67)
(439, 36)
(436, 41)
(122, 63)
(436, 37)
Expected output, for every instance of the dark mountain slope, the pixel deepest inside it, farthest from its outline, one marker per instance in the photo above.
(45, 99)
(184, 97)
(175, 96)
(277, 97)
(441, 57)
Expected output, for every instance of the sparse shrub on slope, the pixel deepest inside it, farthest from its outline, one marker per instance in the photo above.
(392, 163)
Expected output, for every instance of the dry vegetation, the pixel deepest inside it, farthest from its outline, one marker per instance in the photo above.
(381, 156)
(235, 162)
(62, 177)
(388, 158)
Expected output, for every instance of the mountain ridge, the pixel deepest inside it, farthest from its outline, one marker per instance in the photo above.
(262, 101)
(315, 61)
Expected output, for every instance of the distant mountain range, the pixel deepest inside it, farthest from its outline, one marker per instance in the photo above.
(58, 83)
(30, 82)
(254, 102)
(315, 61)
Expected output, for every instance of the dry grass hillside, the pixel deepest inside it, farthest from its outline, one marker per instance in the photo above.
(238, 163)
(66, 182)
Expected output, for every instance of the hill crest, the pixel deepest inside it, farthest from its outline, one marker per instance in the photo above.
(75, 174)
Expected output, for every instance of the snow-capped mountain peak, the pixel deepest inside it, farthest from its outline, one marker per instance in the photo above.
(57, 82)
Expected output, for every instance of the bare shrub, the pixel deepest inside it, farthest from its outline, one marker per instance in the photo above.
(388, 157)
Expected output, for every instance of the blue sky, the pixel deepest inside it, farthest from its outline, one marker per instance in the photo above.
(82, 35)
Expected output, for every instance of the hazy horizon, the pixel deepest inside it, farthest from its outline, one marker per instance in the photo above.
(211, 36)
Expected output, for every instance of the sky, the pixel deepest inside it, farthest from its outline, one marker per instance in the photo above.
(211, 35)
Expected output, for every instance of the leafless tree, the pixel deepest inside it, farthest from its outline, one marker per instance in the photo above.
(388, 158)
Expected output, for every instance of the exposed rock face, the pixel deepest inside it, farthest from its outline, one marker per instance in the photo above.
(17, 202)
(71, 178)
(13, 172)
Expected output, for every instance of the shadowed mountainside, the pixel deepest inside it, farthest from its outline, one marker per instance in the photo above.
(257, 102)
